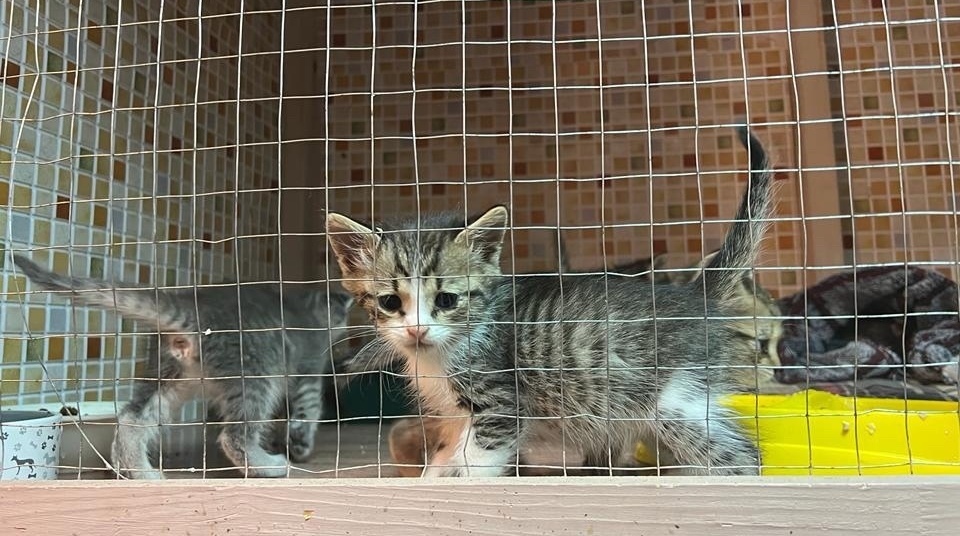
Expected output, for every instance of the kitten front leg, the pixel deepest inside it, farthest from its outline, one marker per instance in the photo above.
(306, 408)
(487, 447)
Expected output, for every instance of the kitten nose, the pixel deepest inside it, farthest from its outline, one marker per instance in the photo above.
(417, 332)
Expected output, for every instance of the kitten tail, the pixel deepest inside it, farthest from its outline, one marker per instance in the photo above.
(142, 304)
(722, 275)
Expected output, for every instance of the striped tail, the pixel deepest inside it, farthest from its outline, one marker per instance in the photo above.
(153, 308)
(722, 275)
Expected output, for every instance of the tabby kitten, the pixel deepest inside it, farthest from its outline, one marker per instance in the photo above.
(409, 438)
(607, 360)
(246, 378)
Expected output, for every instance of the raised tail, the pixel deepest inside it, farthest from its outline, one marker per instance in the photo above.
(153, 308)
(722, 275)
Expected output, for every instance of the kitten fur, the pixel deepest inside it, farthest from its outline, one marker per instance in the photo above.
(760, 322)
(188, 353)
(410, 437)
(606, 360)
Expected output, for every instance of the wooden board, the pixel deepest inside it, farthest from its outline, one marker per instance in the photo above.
(599, 506)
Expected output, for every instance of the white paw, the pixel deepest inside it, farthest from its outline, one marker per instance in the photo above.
(274, 466)
(144, 474)
(440, 471)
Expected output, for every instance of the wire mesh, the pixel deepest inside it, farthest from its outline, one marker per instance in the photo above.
(197, 147)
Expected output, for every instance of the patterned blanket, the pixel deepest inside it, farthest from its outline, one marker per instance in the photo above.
(905, 341)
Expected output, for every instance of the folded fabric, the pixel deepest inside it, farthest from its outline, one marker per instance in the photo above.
(899, 323)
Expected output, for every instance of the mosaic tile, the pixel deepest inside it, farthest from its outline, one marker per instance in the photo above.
(663, 107)
(86, 67)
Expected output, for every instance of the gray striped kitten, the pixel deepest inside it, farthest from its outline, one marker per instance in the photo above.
(244, 379)
(606, 361)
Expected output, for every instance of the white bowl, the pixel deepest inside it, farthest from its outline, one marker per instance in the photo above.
(29, 445)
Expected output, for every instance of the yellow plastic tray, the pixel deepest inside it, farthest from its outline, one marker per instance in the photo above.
(817, 433)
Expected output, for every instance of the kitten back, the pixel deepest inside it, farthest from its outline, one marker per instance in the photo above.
(144, 304)
(722, 275)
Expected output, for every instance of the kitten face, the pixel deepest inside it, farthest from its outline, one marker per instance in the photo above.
(420, 287)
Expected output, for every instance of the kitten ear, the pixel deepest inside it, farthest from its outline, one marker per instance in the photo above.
(699, 266)
(352, 242)
(485, 234)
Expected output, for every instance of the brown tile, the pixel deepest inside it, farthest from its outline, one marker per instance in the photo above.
(93, 348)
(63, 207)
(119, 170)
(10, 73)
(94, 33)
(106, 91)
(99, 216)
(55, 348)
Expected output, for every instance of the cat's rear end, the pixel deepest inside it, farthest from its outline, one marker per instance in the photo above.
(649, 362)
(254, 352)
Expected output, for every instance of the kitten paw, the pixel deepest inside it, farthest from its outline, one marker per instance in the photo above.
(298, 447)
(440, 471)
(274, 466)
(143, 474)
(301, 446)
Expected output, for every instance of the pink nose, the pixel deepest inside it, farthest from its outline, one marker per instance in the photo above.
(417, 332)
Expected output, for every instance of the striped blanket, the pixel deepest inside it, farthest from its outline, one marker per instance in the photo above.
(905, 340)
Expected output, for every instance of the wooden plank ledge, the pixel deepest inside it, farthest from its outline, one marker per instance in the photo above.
(543, 505)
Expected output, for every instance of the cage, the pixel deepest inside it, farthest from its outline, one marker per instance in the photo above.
(197, 147)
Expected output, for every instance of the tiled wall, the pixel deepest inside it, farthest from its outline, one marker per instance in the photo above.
(898, 92)
(500, 102)
(523, 120)
(127, 152)
(508, 107)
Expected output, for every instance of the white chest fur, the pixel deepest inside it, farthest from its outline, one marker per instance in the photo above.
(431, 382)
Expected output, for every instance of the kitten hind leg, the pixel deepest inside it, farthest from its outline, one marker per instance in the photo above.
(247, 414)
(702, 435)
(138, 427)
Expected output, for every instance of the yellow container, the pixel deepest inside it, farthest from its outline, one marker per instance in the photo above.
(818, 433)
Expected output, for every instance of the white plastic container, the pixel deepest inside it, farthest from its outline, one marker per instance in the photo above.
(29, 445)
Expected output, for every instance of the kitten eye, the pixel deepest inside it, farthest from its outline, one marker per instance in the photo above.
(390, 302)
(446, 300)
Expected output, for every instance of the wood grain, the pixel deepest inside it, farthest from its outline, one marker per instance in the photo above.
(527, 506)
